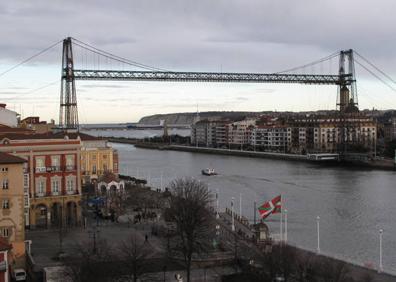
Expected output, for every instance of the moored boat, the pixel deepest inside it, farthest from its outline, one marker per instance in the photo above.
(208, 171)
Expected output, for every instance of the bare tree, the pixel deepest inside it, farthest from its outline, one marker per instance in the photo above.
(89, 265)
(133, 253)
(334, 271)
(189, 210)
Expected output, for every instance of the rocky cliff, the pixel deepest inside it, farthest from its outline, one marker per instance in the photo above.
(189, 118)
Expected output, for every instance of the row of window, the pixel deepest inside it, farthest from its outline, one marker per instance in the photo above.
(55, 186)
(55, 161)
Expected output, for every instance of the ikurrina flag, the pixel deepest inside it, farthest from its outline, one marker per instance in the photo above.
(273, 206)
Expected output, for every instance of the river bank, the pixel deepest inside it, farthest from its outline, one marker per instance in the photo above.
(375, 164)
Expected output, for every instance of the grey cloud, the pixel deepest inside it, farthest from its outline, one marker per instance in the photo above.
(191, 35)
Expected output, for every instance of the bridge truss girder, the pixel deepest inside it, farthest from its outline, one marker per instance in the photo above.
(346, 79)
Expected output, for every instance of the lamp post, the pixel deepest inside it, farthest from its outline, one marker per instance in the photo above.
(285, 226)
(217, 204)
(318, 233)
(240, 205)
(381, 268)
(232, 214)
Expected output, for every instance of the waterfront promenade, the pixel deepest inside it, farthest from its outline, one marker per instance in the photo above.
(382, 164)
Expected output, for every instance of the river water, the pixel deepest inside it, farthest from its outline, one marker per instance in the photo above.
(352, 204)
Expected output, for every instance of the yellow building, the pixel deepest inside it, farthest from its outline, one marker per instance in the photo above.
(12, 226)
(97, 157)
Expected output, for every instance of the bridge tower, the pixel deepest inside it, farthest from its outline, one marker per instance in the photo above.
(68, 114)
(347, 100)
(347, 103)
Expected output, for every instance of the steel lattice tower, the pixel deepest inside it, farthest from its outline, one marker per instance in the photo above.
(68, 114)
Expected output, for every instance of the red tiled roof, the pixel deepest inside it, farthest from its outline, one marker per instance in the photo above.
(6, 129)
(83, 136)
(48, 135)
(4, 245)
(10, 159)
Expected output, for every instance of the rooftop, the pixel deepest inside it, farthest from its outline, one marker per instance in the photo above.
(10, 159)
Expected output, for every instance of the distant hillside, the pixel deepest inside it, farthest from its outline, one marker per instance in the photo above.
(188, 118)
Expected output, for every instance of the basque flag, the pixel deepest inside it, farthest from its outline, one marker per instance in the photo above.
(273, 206)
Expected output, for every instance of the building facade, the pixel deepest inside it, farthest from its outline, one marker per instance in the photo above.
(97, 158)
(12, 200)
(8, 117)
(271, 138)
(53, 179)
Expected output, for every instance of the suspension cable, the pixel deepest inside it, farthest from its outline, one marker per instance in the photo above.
(376, 76)
(114, 57)
(375, 67)
(30, 58)
(331, 56)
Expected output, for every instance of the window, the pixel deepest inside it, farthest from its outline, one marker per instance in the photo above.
(40, 164)
(70, 186)
(4, 169)
(41, 187)
(6, 204)
(94, 169)
(55, 162)
(70, 162)
(5, 232)
(5, 183)
(26, 180)
(55, 186)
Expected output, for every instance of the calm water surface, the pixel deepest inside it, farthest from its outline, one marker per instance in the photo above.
(353, 205)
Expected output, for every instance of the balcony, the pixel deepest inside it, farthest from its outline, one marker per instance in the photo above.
(71, 192)
(53, 169)
(70, 168)
(55, 193)
(39, 194)
(41, 169)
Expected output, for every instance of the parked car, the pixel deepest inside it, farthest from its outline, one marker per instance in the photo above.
(19, 274)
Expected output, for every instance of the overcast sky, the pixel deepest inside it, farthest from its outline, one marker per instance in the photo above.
(205, 35)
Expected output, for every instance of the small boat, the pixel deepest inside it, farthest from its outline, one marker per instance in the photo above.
(208, 171)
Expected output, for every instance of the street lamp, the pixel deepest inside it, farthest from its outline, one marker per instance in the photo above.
(232, 214)
(217, 204)
(285, 226)
(318, 233)
(381, 268)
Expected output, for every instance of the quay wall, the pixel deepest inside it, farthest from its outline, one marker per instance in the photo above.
(377, 164)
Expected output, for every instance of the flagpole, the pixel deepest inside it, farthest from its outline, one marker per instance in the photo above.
(255, 211)
(240, 205)
(281, 224)
(318, 233)
(232, 214)
(286, 226)
(217, 204)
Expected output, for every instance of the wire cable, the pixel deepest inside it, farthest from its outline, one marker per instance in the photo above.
(30, 58)
(34, 90)
(115, 57)
(331, 56)
(375, 67)
(376, 76)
